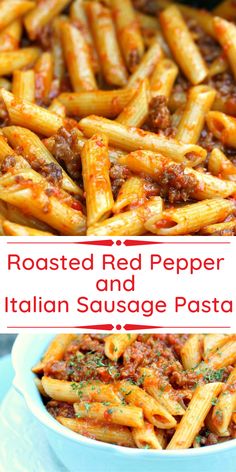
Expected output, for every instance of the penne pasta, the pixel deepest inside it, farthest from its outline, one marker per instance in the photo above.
(42, 14)
(220, 166)
(131, 194)
(213, 342)
(10, 36)
(31, 193)
(115, 345)
(58, 108)
(13, 229)
(107, 103)
(28, 115)
(145, 68)
(55, 351)
(195, 415)
(224, 356)
(136, 111)
(13, 60)
(155, 413)
(129, 223)
(218, 66)
(43, 77)
(79, 19)
(155, 80)
(39, 386)
(72, 392)
(190, 218)
(95, 171)
(146, 437)
(156, 166)
(182, 45)
(128, 32)
(17, 216)
(165, 395)
(111, 433)
(57, 51)
(225, 407)
(226, 35)
(227, 228)
(38, 155)
(130, 139)
(79, 141)
(191, 352)
(123, 415)
(11, 11)
(103, 30)
(222, 126)
(199, 102)
(162, 438)
(143, 392)
(77, 59)
(163, 78)
(5, 149)
(23, 85)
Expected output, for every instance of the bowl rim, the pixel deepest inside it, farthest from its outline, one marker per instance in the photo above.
(42, 415)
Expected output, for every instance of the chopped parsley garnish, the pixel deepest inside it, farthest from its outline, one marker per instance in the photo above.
(214, 401)
(87, 406)
(141, 379)
(76, 387)
(214, 375)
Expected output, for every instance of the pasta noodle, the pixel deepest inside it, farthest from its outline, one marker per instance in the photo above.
(182, 46)
(153, 83)
(150, 391)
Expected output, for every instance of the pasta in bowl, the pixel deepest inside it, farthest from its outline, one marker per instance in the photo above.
(142, 414)
(114, 125)
(153, 391)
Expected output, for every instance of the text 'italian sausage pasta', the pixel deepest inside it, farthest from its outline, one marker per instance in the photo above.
(147, 391)
(117, 118)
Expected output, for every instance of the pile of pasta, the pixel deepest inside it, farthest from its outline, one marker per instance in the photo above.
(148, 412)
(107, 109)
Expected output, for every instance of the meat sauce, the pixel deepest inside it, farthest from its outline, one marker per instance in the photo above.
(84, 360)
(174, 186)
(163, 117)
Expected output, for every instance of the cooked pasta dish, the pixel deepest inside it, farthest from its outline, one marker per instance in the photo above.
(117, 118)
(148, 391)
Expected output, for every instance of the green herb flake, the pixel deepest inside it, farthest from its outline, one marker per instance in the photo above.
(214, 401)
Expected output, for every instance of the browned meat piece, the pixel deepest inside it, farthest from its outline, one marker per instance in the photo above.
(60, 409)
(118, 175)
(175, 185)
(45, 36)
(65, 151)
(159, 115)
(8, 163)
(52, 172)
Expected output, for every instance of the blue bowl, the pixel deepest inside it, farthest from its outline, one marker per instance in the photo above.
(79, 453)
